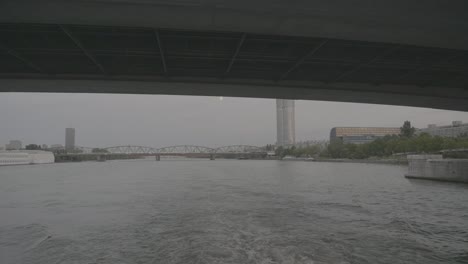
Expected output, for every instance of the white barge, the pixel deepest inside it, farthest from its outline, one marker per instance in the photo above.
(23, 157)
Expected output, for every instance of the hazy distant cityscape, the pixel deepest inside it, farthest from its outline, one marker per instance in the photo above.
(372, 143)
(369, 144)
(285, 117)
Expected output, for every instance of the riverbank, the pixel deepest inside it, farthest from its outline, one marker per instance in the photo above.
(374, 161)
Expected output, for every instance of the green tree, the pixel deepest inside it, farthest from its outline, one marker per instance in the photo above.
(336, 149)
(381, 147)
(33, 146)
(407, 130)
(279, 151)
(312, 150)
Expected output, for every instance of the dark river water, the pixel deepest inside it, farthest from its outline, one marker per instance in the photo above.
(228, 211)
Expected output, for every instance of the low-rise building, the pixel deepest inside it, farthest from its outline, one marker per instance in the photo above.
(361, 135)
(14, 145)
(458, 128)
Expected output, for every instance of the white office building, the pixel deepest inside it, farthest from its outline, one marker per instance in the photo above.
(457, 129)
(14, 145)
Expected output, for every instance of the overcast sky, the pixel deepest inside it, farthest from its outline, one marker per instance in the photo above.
(104, 120)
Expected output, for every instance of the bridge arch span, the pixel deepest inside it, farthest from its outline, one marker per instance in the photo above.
(180, 149)
(131, 150)
(185, 149)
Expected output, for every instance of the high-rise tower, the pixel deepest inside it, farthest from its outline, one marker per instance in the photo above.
(69, 139)
(285, 123)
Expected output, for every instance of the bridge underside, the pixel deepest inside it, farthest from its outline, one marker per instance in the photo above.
(367, 55)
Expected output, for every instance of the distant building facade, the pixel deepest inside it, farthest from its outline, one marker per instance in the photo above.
(285, 123)
(361, 135)
(14, 144)
(69, 139)
(457, 129)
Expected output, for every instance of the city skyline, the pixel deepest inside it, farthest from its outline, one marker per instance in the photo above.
(103, 120)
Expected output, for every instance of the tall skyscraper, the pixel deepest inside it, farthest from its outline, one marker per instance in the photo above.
(285, 123)
(69, 138)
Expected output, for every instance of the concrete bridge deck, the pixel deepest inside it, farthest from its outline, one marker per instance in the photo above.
(399, 52)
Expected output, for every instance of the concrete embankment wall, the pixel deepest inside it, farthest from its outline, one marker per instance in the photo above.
(434, 167)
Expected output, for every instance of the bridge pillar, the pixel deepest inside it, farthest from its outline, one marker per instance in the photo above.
(158, 157)
(101, 157)
(212, 156)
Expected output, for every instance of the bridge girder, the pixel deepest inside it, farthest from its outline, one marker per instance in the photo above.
(61, 57)
(185, 149)
(239, 149)
(131, 150)
(180, 149)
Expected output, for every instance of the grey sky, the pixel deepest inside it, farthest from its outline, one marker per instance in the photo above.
(158, 120)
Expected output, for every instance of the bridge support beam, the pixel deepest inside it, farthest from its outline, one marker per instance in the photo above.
(157, 157)
(212, 156)
(407, 95)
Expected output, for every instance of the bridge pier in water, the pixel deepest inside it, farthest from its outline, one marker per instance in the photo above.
(212, 156)
(101, 157)
(157, 157)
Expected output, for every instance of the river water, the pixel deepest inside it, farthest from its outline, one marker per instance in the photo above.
(228, 211)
